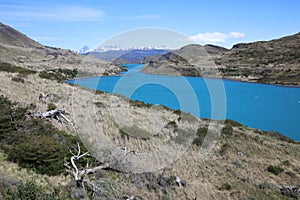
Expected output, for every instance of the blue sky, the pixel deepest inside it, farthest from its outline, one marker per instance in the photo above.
(73, 24)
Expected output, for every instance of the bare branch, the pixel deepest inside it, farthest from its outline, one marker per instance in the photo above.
(53, 114)
(80, 174)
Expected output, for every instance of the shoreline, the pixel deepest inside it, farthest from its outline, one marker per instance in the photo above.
(217, 78)
(230, 79)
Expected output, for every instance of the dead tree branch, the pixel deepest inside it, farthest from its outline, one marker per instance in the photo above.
(56, 114)
(79, 175)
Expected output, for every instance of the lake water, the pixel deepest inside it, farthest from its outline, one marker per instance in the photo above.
(262, 106)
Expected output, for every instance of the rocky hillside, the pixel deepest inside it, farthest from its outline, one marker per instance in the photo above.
(12, 37)
(190, 60)
(276, 61)
(17, 49)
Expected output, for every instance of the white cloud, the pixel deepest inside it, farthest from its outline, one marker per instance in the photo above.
(53, 13)
(147, 16)
(216, 37)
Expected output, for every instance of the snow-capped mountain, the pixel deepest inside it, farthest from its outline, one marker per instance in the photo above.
(101, 49)
(118, 48)
(84, 50)
(119, 55)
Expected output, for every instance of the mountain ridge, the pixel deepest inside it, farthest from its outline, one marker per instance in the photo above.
(122, 56)
(275, 62)
(18, 49)
(12, 37)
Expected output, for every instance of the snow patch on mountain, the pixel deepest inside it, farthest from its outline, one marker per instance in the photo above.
(84, 50)
(101, 49)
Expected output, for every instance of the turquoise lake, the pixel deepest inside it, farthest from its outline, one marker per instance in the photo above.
(262, 106)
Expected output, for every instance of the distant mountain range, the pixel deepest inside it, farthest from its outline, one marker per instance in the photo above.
(118, 55)
(101, 49)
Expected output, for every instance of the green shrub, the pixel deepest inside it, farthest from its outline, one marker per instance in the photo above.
(275, 169)
(227, 130)
(7, 67)
(18, 79)
(59, 74)
(201, 133)
(138, 103)
(99, 104)
(225, 186)
(42, 154)
(51, 106)
(286, 163)
(47, 75)
(30, 190)
(232, 123)
(33, 143)
(291, 174)
(224, 148)
(265, 186)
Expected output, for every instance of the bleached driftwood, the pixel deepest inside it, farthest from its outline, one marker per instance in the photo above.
(57, 114)
(290, 190)
(79, 175)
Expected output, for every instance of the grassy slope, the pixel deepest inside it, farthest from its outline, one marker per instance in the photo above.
(206, 177)
(275, 61)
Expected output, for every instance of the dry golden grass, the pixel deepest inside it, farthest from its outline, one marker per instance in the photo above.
(239, 160)
(13, 170)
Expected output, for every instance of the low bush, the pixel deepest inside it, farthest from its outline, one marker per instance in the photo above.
(225, 186)
(33, 143)
(7, 67)
(286, 163)
(232, 123)
(99, 104)
(201, 133)
(59, 74)
(138, 103)
(31, 190)
(227, 130)
(18, 79)
(224, 148)
(291, 174)
(51, 106)
(275, 169)
(265, 186)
